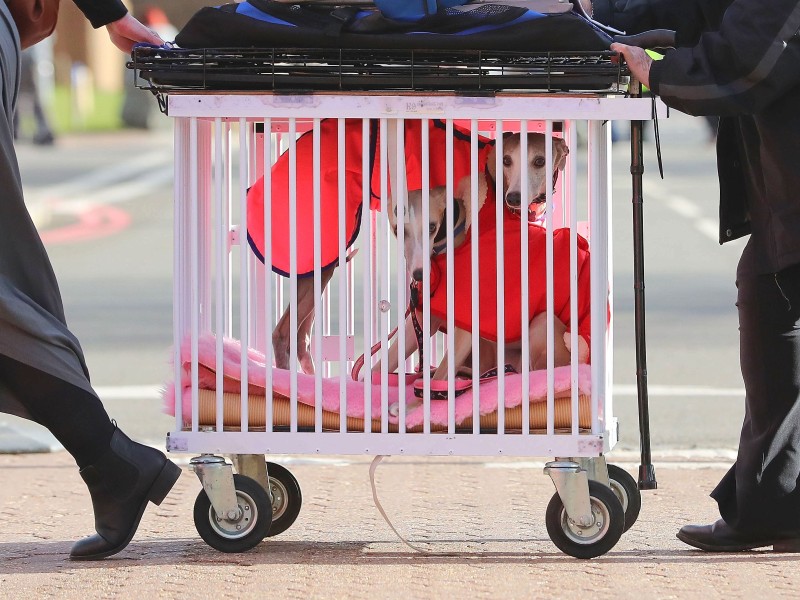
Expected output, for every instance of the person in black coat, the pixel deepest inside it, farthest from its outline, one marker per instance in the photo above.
(740, 60)
(43, 374)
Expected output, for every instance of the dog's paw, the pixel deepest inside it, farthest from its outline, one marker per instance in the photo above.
(583, 347)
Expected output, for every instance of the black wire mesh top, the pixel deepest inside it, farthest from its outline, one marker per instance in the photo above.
(308, 70)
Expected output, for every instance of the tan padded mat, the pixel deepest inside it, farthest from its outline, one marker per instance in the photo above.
(330, 420)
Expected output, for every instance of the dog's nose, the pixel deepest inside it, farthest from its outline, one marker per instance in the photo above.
(417, 274)
(513, 199)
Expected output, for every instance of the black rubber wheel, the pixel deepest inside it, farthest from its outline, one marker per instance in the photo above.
(240, 534)
(595, 539)
(286, 498)
(627, 490)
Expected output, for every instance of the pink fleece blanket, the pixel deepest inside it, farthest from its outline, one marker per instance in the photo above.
(281, 379)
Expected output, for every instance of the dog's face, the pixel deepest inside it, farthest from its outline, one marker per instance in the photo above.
(415, 230)
(535, 194)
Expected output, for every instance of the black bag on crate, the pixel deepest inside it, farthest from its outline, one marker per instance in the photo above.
(270, 24)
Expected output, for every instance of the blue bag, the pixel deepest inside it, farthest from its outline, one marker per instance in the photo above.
(414, 10)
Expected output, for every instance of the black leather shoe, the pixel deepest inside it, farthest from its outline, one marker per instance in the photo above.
(121, 484)
(721, 537)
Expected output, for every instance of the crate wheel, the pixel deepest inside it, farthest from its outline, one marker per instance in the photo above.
(246, 530)
(286, 498)
(627, 490)
(595, 539)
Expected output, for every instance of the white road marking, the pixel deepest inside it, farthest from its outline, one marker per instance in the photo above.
(129, 392)
(682, 391)
(112, 184)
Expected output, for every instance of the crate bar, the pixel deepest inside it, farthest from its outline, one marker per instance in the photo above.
(426, 349)
(525, 284)
(408, 106)
(450, 299)
(608, 253)
(204, 199)
(335, 443)
(244, 282)
(221, 259)
(280, 146)
(598, 164)
(326, 320)
(293, 321)
(194, 269)
(342, 246)
(182, 167)
(269, 279)
(399, 195)
(317, 336)
(367, 280)
(383, 262)
(475, 176)
(571, 185)
(548, 165)
(501, 317)
(257, 272)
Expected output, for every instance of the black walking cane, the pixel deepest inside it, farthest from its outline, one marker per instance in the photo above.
(647, 472)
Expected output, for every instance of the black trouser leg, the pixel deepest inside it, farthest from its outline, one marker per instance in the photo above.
(761, 492)
(75, 417)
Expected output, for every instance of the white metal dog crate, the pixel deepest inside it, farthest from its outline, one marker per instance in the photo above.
(229, 399)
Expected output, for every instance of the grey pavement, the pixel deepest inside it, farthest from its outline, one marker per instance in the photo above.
(480, 522)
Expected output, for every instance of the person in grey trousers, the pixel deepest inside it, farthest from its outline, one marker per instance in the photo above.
(740, 59)
(43, 375)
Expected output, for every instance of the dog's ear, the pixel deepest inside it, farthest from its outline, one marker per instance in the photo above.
(393, 212)
(463, 195)
(491, 162)
(560, 153)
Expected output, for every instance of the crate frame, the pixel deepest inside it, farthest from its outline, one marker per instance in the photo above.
(197, 113)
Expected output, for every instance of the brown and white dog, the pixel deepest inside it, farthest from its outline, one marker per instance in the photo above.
(415, 230)
(512, 166)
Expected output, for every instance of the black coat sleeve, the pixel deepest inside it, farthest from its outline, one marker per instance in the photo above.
(101, 12)
(749, 62)
(688, 18)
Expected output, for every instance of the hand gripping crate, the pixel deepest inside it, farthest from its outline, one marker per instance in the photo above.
(337, 193)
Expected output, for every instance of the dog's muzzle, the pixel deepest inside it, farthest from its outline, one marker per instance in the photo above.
(513, 200)
(540, 199)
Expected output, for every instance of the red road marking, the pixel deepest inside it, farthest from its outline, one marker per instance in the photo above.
(96, 222)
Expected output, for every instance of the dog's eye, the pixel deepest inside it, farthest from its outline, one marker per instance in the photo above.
(539, 162)
(432, 228)
(507, 160)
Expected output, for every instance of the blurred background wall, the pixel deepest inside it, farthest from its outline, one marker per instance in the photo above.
(76, 44)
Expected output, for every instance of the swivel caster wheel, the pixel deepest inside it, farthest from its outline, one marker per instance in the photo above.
(595, 538)
(627, 490)
(236, 533)
(286, 498)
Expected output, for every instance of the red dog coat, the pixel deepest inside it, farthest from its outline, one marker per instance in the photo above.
(329, 187)
(512, 293)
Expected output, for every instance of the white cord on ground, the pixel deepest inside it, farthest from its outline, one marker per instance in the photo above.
(372, 469)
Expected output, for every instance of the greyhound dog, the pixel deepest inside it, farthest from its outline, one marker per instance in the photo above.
(538, 180)
(414, 231)
(512, 196)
